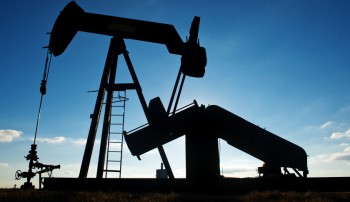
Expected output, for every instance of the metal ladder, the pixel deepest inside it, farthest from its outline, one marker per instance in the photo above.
(115, 135)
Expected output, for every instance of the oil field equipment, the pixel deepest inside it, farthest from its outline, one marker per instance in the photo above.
(32, 157)
(202, 126)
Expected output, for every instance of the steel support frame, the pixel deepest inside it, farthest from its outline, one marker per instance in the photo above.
(95, 117)
(107, 84)
(107, 116)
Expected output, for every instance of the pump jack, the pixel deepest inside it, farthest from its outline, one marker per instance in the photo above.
(73, 19)
(202, 126)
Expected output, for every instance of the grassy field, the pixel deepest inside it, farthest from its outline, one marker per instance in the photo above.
(53, 196)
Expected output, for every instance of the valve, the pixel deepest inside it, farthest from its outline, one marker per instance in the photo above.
(18, 175)
(32, 153)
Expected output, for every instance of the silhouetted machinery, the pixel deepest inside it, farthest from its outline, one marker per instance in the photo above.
(32, 157)
(202, 126)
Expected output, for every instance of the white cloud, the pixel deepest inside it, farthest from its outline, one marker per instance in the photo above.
(319, 158)
(326, 125)
(61, 139)
(114, 146)
(337, 156)
(80, 141)
(67, 170)
(344, 155)
(53, 140)
(3, 165)
(340, 135)
(9, 135)
(68, 173)
(238, 170)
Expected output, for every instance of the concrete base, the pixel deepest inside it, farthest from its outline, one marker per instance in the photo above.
(202, 157)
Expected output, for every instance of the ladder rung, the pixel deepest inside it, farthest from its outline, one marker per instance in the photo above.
(117, 171)
(115, 161)
(118, 103)
(116, 142)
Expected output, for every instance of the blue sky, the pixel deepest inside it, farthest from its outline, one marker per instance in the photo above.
(283, 65)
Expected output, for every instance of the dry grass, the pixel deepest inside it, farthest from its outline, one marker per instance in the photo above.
(67, 196)
(296, 196)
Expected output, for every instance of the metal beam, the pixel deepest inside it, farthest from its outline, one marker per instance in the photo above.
(122, 86)
(107, 117)
(95, 117)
